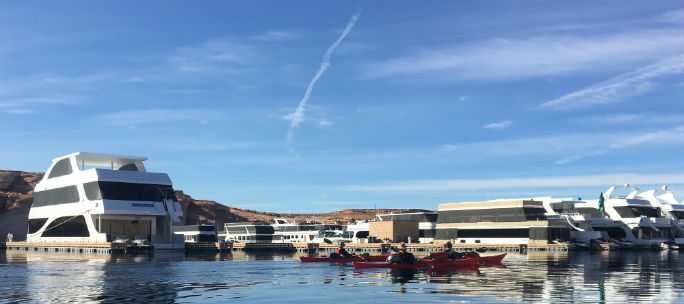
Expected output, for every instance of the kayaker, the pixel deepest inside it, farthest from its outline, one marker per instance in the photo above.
(343, 252)
(402, 257)
(451, 253)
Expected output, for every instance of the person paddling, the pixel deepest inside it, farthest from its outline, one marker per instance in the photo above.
(451, 253)
(402, 257)
(343, 252)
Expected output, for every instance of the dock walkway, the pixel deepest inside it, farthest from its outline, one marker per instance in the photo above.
(108, 248)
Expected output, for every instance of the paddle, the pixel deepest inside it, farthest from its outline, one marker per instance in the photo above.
(327, 241)
(481, 249)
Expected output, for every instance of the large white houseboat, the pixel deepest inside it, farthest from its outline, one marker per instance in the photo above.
(645, 226)
(509, 221)
(90, 197)
(671, 209)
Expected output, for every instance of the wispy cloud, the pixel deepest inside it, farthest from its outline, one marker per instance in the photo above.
(669, 136)
(298, 115)
(615, 90)
(673, 16)
(278, 36)
(498, 125)
(222, 54)
(31, 105)
(526, 182)
(139, 117)
(632, 118)
(516, 59)
(569, 147)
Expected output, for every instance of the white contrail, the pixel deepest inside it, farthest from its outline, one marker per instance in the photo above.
(298, 115)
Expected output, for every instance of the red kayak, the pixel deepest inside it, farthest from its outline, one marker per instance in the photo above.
(491, 259)
(462, 263)
(370, 258)
(364, 265)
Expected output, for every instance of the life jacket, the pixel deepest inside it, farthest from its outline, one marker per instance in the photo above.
(338, 250)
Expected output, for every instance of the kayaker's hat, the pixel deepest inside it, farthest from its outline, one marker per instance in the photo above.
(402, 245)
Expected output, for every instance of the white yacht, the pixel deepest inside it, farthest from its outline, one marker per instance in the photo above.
(290, 231)
(250, 232)
(282, 230)
(647, 227)
(672, 209)
(90, 197)
(358, 232)
(582, 233)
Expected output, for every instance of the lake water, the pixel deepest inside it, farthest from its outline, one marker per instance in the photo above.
(550, 277)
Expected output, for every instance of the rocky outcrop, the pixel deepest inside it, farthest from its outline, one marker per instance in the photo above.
(16, 197)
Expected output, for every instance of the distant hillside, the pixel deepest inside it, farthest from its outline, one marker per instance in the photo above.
(16, 197)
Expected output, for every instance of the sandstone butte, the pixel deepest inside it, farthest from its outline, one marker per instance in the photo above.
(16, 197)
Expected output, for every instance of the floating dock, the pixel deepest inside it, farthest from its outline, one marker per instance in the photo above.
(108, 248)
(66, 247)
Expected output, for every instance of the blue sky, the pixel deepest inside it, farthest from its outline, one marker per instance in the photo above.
(410, 105)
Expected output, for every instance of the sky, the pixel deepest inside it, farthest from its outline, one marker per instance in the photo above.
(315, 106)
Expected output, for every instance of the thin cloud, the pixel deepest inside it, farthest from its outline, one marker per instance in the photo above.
(540, 56)
(570, 147)
(221, 54)
(632, 118)
(614, 90)
(139, 117)
(669, 136)
(298, 115)
(277, 36)
(527, 182)
(31, 105)
(498, 125)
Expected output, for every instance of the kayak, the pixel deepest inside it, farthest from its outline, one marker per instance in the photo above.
(325, 259)
(462, 263)
(370, 258)
(365, 265)
(491, 259)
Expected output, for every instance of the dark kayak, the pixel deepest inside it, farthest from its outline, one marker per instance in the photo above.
(370, 258)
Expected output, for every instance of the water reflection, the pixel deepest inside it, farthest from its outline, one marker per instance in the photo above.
(265, 277)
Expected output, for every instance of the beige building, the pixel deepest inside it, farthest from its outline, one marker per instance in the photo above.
(395, 231)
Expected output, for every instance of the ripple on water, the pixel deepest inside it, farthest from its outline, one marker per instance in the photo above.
(536, 277)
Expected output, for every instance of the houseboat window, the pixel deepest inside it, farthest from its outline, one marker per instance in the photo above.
(64, 195)
(613, 232)
(646, 211)
(491, 215)
(678, 214)
(61, 168)
(446, 234)
(630, 211)
(492, 233)
(129, 167)
(128, 191)
(362, 234)
(67, 226)
(36, 224)
(593, 212)
(426, 233)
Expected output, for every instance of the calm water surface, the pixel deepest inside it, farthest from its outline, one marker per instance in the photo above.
(591, 277)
